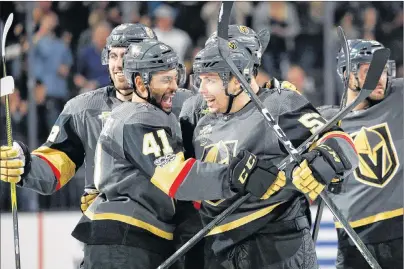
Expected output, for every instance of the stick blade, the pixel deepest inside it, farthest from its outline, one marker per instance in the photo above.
(6, 86)
(379, 61)
(7, 27)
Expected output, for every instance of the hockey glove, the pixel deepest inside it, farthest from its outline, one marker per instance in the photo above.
(88, 198)
(14, 162)
(249, 174)
(319, 168)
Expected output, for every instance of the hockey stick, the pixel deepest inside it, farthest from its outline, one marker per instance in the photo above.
(345, 47)
(10, 142)
(197, 237)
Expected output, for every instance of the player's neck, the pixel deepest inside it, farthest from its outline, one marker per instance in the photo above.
(137, 99)
(243, 99)
(125, 97)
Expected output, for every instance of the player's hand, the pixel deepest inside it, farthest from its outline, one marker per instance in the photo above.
(13, 161)
(276, 84)
(259, 177)
(319, 168)
(88, 198)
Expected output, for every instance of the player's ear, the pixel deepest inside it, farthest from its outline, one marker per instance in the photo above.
(140, 87)
(352, 83)
(236, 86)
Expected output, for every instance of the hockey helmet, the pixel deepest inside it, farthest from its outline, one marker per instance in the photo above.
(209, 60)
(150, 56)
(125, 34)
(361, 51)
(248, 38)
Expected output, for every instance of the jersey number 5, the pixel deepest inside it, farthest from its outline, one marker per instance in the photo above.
(312, 121)
(150, 144)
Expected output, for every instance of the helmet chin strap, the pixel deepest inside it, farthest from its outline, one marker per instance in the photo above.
(150, 98)
(127, 94)
(231, 99)
(112, 83)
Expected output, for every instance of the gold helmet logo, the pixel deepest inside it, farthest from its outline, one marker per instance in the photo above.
(378, 161)
(232, 45)
(243, 29)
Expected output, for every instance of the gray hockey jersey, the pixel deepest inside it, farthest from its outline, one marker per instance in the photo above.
(372, 196)
(71, 142)
(217, 138)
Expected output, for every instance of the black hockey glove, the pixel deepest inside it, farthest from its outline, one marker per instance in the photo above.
(249, 174)
(320, 166)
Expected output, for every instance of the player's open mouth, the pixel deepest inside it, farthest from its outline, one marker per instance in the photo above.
(209, 101)
(167, 101)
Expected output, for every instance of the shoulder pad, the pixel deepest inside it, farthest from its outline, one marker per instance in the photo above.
(84, 101)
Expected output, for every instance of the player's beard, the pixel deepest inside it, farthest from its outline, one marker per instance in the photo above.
(165, 101)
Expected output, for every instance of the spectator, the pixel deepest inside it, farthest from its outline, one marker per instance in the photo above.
(210, 12)
(165, 31)
(51, 64)
(283, 22)
(369, 23)
(91, 74)
(96, 16)
(305, 85)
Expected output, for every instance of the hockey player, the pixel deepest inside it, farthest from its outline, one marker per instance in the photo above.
(371, 198)
(131, 223)
(73, 138)
(271, 230)
(195, 107)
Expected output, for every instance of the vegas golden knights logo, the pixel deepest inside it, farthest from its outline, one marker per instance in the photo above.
(243, 29)
(232, 45)
(378, 161)
(221, 153)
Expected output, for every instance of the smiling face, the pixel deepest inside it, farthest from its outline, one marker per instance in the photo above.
(115, 66)
(212, 89)
(163, 86)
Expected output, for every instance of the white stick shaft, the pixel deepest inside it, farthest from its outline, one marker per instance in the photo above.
(7, 27)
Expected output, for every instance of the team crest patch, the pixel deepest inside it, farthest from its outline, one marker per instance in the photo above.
(220, 152)
(243, 29)
(378, 161)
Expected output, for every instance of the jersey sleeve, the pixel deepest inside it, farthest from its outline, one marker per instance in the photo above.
(57, 160)
(160, 156)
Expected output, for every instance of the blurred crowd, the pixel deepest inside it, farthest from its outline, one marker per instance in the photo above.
(68, 38)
